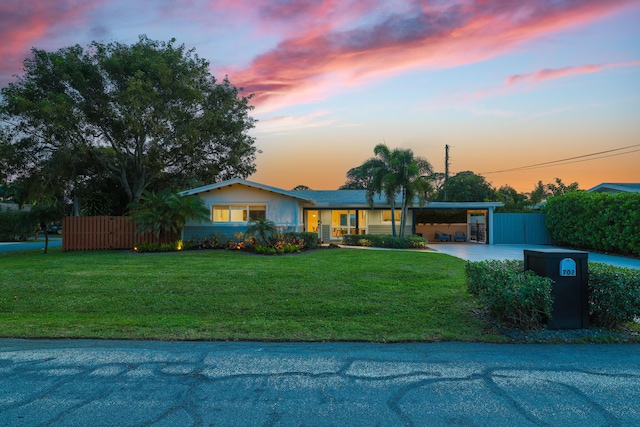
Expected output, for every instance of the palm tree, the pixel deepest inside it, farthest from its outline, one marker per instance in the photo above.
(395, 172)
(262, 230)
(166, 211)
(384, 178)
(413, 176)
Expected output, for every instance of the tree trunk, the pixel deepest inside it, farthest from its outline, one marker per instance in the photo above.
(393, 218)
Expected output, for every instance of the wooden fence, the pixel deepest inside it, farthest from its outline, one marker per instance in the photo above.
(83, 233)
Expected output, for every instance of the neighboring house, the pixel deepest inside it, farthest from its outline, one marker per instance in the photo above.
(330, 213)
(610, 187)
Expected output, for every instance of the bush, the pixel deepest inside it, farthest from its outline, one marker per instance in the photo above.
(306, 240)
(158, 247)
(614, 295)
(509, 294)
(264, 250)
(14, 225)
(214, 241)
(384, 241)
(599, 221)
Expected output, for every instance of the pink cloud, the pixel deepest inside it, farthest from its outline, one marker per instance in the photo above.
(556, 73)
(24, 25)
(309, 65)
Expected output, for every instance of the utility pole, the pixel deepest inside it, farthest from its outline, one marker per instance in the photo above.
(446, 170)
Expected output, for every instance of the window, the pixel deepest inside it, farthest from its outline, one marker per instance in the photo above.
(238, 213)
(257, 212)
(386, 215)
(220, 213)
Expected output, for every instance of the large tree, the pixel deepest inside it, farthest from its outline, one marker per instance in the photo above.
(147, 113)
(467, 187)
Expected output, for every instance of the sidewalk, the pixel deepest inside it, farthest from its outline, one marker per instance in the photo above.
(480, 252)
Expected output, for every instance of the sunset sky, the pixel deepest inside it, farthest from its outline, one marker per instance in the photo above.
(521, 91)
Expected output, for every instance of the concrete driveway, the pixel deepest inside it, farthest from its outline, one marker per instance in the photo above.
(129, 383)
(480, 252)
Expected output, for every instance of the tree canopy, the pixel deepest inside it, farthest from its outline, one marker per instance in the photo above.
(467, 187)
(150, 115)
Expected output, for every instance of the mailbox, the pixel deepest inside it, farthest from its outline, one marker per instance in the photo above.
(570, 289)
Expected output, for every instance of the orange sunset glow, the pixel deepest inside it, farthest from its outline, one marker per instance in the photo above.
(521, 92)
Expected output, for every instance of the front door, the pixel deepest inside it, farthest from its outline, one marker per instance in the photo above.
(312, 223)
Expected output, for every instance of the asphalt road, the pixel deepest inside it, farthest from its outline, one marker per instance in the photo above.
(132, 383)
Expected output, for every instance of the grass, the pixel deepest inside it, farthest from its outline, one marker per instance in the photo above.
(322, 295)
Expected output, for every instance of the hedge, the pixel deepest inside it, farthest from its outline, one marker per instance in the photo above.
(521, 299)
(614, 295)
(385, 241)
(15, 226)
(510, 295)
(598, 221)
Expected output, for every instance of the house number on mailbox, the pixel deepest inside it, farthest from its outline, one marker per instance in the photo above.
(567, 267)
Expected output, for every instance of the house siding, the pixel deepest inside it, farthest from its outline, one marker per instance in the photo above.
(284, 211)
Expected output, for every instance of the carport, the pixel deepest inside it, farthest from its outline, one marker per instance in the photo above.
(474, 219)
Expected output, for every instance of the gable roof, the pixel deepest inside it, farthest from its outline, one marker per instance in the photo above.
(611, 187)
(356, 199)
(238, 181)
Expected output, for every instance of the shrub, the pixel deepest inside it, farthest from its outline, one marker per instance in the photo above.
(15, 225)
(384, 241)
(306, 240)
(214, 241)
(158, 247)
(240, 242)
(600, 221)
(264, 250)
(614, 295)
(509, 294)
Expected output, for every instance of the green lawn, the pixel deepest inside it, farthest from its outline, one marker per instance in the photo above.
(321, 295)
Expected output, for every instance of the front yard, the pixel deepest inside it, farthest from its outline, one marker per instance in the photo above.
(321, 295)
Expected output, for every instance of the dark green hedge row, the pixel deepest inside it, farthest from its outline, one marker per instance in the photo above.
(598, 221)
(521, 299)
(14, 225)
(510, 295)
(384, 241)
(614, 294)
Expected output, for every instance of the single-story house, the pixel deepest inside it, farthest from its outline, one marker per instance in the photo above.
(612, 187)
(233, 204)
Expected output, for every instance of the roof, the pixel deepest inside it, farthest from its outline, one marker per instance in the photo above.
(344, 198)
(612, 187)
(356, 199)
(238, 181)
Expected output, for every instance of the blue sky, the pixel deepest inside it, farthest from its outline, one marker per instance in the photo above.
(504, 84)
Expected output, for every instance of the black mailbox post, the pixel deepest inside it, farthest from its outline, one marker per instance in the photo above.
(569, 271)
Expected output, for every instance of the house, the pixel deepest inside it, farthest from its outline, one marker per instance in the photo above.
(330, 213)
(609, 187)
